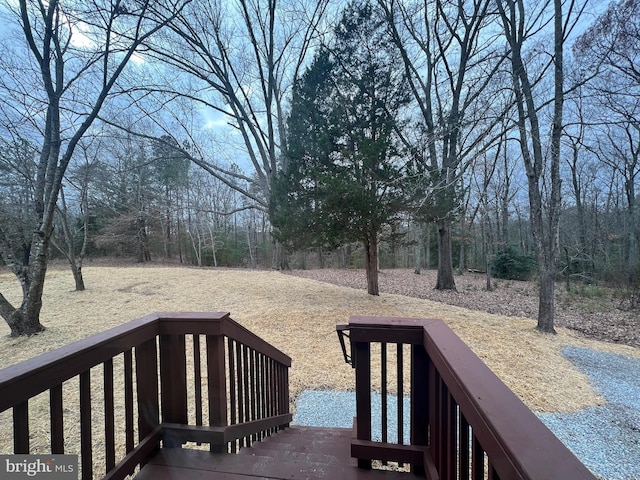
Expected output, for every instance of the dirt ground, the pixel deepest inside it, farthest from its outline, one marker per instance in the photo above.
(596, 312)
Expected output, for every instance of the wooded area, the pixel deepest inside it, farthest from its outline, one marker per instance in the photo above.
(496, 136)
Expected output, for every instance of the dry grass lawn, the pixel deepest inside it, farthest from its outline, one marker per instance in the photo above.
(299, 316)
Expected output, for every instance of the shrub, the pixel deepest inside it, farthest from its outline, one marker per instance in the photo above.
(510, 264)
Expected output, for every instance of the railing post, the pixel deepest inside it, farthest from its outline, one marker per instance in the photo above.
(419, 398)
(86, 443)
(217, 386)
(21, 428)
(362, 360)
(147, 386)
(173, 377)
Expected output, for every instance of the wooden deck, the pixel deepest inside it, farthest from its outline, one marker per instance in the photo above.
(294, 453)
(463, 421)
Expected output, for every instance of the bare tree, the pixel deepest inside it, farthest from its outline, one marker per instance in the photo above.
(241, 58)
(449, 63)
(78, 51)
(612, 46)
(519, 24)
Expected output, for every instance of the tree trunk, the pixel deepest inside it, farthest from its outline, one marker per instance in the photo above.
(462, 267)
(633, 260)
(488, 286)
(427, 255)
(486, 249)
(371, 263)
(279, 257)
(445, 279)
(77, 277)
(417, 259)
(26, 319)
(179, 236)
(22, 324)
(417, 250)
(546, 305)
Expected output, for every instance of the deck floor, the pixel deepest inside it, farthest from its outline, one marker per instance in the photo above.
(295, 453)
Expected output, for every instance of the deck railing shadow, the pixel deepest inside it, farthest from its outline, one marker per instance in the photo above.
(181, 377)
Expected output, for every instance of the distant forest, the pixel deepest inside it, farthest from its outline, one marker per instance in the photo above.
(487, 135)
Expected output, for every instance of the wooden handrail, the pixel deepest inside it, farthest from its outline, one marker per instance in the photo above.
(459, 408)
(245, 383)
(38, 374)
(41, 373)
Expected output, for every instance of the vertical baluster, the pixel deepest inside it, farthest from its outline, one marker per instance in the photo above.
(217, 385)
(279, 393)
(246, 389)
(147, 386)
(419, 399)
(285, 399)
(362, 353)
(57, 420)
(21, 428)
(444, 430)
(434, 434)
(438, 439)
(400, 378)
(383, 391)
(477, 459)
(109, 422)
(463, 425)
(128, 400)
(263, 386)
(86, 453)
(271, 407)
(173, 374)
(261, 392)
(267, 390)
(240, 376)
(452, 434)
(197, 378)
(274, 388)
(252, 383)
(232, 388)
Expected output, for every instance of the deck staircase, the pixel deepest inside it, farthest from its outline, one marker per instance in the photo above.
(293, 453)
(201, 378)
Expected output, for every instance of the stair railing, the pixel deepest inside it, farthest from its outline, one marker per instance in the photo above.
(164, 379)
(465, 423)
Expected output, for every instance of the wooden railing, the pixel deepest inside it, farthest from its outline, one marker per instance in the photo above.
(464, 422)
(167, 377)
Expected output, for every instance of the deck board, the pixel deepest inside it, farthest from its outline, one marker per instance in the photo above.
(296, 453)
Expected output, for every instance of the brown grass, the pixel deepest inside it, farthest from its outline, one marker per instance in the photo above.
(296, 315)
(299, 317)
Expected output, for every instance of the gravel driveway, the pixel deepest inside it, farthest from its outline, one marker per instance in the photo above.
(606, 438)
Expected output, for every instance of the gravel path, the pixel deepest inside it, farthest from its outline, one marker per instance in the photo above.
(606, 438)
(337, 409)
